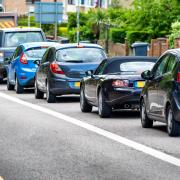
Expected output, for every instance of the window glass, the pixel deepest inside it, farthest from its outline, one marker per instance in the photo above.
(171, 64)
(83, 55)
(17, 52)
(13, 39)
(44, 58)
(37, 52)
(101, 67)
(160, 69)
(1, 36)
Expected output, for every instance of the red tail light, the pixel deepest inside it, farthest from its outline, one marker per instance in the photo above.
(23, 59)
(178, 77)
(56, 69)
(120, 83)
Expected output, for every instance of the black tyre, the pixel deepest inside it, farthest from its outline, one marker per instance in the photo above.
(104, 109)
(51, 98)
(145, 121)
(18, 88)
(9, 85)
(85, 107)
(38, 94)
(173, 127)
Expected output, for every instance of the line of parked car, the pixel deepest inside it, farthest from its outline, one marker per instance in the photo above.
(147, 84)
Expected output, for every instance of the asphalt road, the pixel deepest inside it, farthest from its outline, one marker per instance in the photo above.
(35, 145)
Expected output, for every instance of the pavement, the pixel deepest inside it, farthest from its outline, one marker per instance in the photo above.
(57, 142)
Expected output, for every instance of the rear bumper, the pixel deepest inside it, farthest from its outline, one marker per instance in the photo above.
(60, 86)
(120, 97)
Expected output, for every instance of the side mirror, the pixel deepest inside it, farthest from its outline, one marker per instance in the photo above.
(37, 62)
(89, 73)
(147, 75)
(7, 60)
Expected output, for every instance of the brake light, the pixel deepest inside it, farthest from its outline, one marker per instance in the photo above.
(56, 69)
(120, 83)
(178, 77)
(23, 59)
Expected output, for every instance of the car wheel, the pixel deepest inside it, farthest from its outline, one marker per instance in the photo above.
(38, 94)
(85, 107)
(18, 88)
(173, 126)
(9, 85)
(104, 109)
(51, 98)
(145, 121)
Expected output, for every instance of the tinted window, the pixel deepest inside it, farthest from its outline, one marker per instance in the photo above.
(13, 39)
(80, 55)
(160, 68)
(101, 67)
(37, 52)
(17, 52)
(171, 64)
(44, 58)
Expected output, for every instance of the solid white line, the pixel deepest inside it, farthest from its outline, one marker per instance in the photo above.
(132, 144)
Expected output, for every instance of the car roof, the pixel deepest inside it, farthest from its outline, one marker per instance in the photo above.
(175, 51)
(133, 58)
(20, 29)
(37, 44)
(74, 45)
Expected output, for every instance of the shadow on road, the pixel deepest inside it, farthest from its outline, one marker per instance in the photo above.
(67, 99)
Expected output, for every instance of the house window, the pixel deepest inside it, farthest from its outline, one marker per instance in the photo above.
(32, 1)
(71, 1)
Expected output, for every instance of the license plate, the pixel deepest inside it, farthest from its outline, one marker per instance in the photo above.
(139, 84)
(77, 84)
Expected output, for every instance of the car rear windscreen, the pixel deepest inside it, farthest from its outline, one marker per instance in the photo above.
(136, 66)
(13, 39)
(36, 52)
(76, 55)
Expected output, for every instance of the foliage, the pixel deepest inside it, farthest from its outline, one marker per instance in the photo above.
(175, 33)
(118, 35)
(142, 36)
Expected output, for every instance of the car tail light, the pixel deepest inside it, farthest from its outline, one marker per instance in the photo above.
(56, 69)
(23, 59)
(178, 77)
(120, 83)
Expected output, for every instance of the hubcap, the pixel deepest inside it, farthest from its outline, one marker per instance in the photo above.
(142, 112)
(15, 85)
(100, 103)
(82, 98)
(47, 93)
(169, 120)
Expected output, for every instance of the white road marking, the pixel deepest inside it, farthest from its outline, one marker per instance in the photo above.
(132, 144)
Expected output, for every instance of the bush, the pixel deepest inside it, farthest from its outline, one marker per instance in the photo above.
(118, 35)
(175, 33)
(143, 36)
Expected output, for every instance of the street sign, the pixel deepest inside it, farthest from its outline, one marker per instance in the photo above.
(48, 13)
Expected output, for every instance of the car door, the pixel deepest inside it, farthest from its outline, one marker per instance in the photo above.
(12, 68)
(153, 85)
(165, 85)
(91, 82)
(40, 72)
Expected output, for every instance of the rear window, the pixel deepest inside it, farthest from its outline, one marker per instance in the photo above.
(13, 39)
(36, 52)
(136, 66)
(80, 55)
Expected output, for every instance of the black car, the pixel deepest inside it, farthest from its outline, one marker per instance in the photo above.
(160, 97)
(116, 84)
(62, 68)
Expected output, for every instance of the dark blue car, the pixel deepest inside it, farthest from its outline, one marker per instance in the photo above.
(21, 68)
(62, 68)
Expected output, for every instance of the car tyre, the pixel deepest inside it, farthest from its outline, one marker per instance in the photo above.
(173, 126)
(9, 85)
(104, 109)
(145, 121)
(38, 94)
(18, 88)
(85, 107)
(51, 98)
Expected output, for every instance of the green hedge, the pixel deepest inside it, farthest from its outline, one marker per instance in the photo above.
(118, 35)
(133, 36)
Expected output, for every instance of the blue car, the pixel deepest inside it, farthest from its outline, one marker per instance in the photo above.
(21, 68)
(62, 68)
